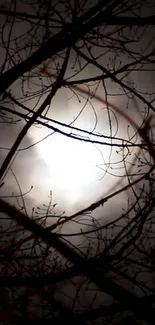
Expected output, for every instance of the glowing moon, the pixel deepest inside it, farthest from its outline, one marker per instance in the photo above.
(75, 168)
(72, 164)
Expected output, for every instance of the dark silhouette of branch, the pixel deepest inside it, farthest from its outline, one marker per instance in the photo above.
(114, 78)
(66, 37)
(33, 119)
(106, 256)
(70, 135)
(129, 300)
(114, 20)
(91, 208)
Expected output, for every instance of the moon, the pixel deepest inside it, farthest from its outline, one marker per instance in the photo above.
(73, 165)
(79, 172)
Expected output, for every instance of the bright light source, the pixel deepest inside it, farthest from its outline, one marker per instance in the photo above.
(72, 164)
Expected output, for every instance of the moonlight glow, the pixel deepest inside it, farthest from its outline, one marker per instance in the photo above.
(75, 168)
(73, 164)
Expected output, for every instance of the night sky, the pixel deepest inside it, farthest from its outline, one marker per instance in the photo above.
(72, 173)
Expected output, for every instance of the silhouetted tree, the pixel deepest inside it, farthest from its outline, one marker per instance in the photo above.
(103, 53)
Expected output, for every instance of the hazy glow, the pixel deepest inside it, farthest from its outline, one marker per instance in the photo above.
(72, 164)
(79, 173)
